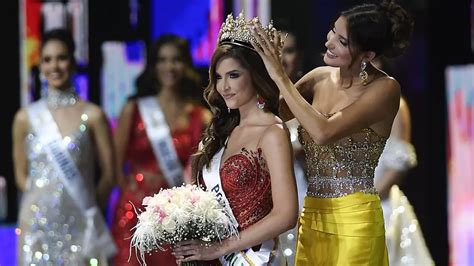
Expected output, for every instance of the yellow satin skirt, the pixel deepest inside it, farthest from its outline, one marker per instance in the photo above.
(342, 231)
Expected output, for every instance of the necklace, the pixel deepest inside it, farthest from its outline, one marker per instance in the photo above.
(60, 98)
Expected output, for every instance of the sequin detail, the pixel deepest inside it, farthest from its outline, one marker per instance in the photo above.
(344, 167)
(51, 226)
(61, 98)
(246, 183)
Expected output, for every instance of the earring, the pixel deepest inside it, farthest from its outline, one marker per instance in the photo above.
(228, 110)
(363, 74)
(260, 102)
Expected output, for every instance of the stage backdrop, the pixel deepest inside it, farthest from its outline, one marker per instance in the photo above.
(460, 97)
(197, 21)
(122, 63)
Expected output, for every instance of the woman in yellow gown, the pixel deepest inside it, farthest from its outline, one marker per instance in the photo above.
(346, 111)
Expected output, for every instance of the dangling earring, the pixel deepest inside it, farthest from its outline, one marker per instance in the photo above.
(228, 110)
(363, 74)
(260, 102)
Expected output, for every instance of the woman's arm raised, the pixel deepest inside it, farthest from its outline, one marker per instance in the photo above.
(379, 102)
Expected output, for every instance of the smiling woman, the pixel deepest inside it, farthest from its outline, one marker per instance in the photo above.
(346, 111)
(56, 64)
(148, 161)
(55, 141)
(234, 83)
(245, 155)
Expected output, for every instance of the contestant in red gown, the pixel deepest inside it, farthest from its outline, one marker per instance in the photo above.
(245, 155)
(141, 173)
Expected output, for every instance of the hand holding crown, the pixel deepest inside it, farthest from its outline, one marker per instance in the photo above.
(269, 46)
(238, 32)
(265, 40)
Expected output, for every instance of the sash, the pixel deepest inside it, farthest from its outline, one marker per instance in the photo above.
(247, 257)
(161, 141)
(97, 239)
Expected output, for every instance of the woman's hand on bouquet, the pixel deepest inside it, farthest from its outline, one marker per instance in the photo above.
(197, 250)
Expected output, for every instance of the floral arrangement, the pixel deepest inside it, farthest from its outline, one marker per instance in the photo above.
(178, 214)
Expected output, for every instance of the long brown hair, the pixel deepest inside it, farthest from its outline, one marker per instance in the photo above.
(224, 121)
(148, 83)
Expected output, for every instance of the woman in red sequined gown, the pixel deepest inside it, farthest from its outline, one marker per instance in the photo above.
(166, 78)
(255, 168)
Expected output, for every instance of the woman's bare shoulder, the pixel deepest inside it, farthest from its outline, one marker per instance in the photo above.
(316, 75)
(275, 134)
(21, 120)
(95, 113)
(21, 116)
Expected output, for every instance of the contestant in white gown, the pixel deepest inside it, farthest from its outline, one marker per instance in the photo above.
(404, 238)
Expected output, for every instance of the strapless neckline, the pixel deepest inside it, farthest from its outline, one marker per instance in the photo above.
(239, 154)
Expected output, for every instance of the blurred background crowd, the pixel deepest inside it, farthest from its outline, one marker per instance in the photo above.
(116, 49)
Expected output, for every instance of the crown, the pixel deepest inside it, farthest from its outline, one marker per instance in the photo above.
(237, 32)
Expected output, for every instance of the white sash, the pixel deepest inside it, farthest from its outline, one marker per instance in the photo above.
(247, 257)
(160, 139)
(97, 239)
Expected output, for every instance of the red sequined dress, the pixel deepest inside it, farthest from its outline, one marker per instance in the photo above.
(140, 161)
(246, 183)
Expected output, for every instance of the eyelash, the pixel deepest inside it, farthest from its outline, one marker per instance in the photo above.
(341, 41)
(231, 75)
(60, 58)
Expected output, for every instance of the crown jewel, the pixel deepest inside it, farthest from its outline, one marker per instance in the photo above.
(237, 32)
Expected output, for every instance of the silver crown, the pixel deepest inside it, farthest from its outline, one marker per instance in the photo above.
(237, 32)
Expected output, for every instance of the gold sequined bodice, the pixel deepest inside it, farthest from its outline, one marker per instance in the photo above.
(343, 167)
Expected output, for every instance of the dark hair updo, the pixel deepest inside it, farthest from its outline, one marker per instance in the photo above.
(384, 28)
(64, 36)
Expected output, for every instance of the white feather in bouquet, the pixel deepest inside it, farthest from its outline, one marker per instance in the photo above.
(178, 214)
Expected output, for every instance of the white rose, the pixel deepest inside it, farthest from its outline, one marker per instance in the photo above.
(178, 198)
(146, 217)
(212, 216)
(222, 218)
(157, 200)
(203, 207)
(170, 208)
(168, 224)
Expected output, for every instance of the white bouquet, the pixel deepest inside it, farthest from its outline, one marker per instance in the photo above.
(178, 214)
